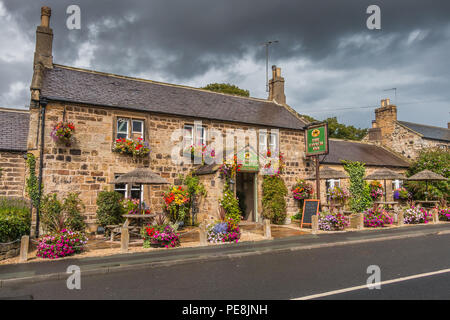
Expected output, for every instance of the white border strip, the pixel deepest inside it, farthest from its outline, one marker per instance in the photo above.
(367, 286)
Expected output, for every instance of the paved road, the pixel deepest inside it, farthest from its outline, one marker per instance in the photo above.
(285, 275)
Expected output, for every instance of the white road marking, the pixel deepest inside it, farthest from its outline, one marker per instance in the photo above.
(365, 286)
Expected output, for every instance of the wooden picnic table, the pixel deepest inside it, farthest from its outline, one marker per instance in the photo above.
(116, 229)
(426, 203)
(129, 217)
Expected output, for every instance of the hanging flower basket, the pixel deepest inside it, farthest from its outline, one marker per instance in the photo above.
(302, 190)
(63, 132)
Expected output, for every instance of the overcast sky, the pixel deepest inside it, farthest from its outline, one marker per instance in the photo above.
(332, 63)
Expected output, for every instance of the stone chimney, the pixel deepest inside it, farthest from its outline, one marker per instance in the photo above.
(276, 86)
(448, 125)
(43, 57)
(385, 118)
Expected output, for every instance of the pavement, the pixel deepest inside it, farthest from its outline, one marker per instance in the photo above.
(14, 274)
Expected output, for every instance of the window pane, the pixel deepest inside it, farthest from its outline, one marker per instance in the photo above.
(136, 192)
(122, 128)
(188, 137)
(273, 141)
(138, 126)
(262, 142)
(121, 187)
(200, 138)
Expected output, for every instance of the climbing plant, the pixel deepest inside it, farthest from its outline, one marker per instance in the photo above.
(273, 201)
(32, 184)
(360, 198)
(230, 203)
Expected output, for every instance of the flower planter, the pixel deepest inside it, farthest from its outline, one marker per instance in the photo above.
(156, 245)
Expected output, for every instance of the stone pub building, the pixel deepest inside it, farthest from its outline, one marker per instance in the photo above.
(104, 107)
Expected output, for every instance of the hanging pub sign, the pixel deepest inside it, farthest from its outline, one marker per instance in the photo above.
(316, 139)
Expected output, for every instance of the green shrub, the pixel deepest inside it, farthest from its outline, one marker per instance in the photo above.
(51, 214)
(57, 215)
(230, 204)
(15, 219)
(72, 207)
(109, 208)
(273, 201)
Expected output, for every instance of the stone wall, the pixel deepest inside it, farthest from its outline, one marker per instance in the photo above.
(12, 175)
(9, 250)
(88, 165)
(409, 144)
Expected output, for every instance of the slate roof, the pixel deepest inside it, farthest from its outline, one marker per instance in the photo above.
(89, 87)
(429, 132)
(370, 154)
(14, 126)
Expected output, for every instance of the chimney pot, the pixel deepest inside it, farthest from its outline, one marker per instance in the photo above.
(46, 13)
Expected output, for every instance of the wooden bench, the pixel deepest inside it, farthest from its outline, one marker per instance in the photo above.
(114, 229)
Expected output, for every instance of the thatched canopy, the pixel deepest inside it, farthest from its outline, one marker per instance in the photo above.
(328, 173)
(385, 174)
(140, 176)
(427, 175)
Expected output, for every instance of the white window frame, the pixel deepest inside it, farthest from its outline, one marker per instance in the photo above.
(193, 137)
(397, 184)
(275, 144)
(188, 136)
(333, 183)
(200, 137)
(133, 188)
(142, 127)
(263, 142)
(125, 120)
(129, 122)
(120, 190)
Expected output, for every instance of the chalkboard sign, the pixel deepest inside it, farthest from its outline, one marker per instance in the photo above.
(310, 208)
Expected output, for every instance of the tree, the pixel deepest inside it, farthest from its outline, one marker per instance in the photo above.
(227, 88)
(339, 130)
(436, 160)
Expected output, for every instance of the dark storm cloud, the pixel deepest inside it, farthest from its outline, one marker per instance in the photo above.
(182, 39)
(224, 30)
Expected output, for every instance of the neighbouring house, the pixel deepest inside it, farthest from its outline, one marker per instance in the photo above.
(13, 149)
(405, 138)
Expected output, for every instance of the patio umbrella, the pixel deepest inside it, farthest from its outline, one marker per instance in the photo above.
(385, 174)
(328, 173)
(140, 176)
(427, 175)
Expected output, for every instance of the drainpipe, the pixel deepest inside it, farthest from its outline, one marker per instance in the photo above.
(43, 104)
